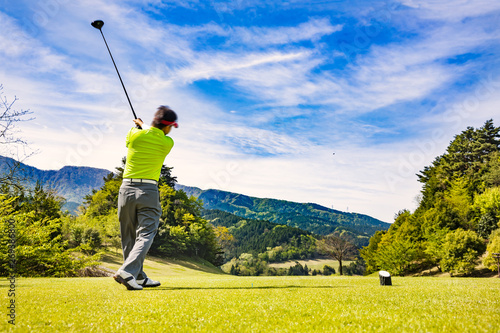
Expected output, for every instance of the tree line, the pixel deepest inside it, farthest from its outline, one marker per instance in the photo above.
(456, 224)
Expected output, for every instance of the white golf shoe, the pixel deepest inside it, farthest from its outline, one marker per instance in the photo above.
(127, 280)
(148, 283)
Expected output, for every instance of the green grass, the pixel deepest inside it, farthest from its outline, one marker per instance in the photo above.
(198, 300)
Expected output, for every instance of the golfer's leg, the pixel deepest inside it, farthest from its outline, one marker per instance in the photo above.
(148, 216)
(127, 217)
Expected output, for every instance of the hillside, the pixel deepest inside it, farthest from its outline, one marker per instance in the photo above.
(253, 236)
(306, 216)
(71, 182)
(74, 183)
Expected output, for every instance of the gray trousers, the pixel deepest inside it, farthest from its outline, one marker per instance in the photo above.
(139, 212)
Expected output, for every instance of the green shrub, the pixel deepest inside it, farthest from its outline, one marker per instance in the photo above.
(328, 270)
(461, 250)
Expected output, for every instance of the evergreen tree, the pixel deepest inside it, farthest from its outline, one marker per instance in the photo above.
(368, 253)
(460, 199)
(166, 177)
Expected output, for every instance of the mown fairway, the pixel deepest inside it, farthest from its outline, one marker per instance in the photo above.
(220, 303)
(312, 263)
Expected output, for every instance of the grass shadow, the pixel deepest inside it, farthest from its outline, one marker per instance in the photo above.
(189, 263)
(176, 264)
(112, 258)
(242, 288)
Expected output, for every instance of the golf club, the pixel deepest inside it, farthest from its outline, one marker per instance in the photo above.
(98, 25)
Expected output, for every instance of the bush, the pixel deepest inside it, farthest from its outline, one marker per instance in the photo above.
(36, 239)
(298, 269)
(38, 252)
(92, 237)
(493, 247)
(328, 270)
(355, 268)
(486, 224)
(461, 250)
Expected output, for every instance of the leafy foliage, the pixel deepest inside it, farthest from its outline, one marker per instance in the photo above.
(493, 247)
(459, 208)
(182, 231)
(328, 270)
(357, 267)
(369, 253)
(248, 265)
(38, 243)
(298, 270)
(461, 250)
(269, 241)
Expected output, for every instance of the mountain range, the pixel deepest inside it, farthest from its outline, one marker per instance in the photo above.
(70, 182)
(74, 183)
(306, 216)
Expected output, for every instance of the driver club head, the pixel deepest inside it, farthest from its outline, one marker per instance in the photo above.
(97, 24)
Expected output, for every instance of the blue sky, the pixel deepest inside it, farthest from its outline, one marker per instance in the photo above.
(339, 103)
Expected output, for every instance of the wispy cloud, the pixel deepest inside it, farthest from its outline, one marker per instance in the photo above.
(227, 67)
(311, 30)
(261, 85)
(449, 10)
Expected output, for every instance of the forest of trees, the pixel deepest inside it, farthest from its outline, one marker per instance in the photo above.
(273, 242)
(457, 219)
(49, 242)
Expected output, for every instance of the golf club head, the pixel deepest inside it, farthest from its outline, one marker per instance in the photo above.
(97, 24)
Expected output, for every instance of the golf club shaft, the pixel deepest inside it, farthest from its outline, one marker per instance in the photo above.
(117, 72)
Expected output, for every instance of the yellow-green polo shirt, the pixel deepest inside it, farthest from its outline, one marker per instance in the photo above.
(147, 149)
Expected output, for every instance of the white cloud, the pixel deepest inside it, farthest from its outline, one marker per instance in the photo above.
(69, 82)
(451, 10)
(354, 177)
(410, 70)
(311, 30)
(226, 66)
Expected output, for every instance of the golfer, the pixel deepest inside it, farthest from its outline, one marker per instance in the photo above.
(139, 208)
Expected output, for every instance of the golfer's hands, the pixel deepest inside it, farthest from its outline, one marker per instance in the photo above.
(138, 122)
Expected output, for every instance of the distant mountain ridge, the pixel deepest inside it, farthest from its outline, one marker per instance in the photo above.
(306, 216)
(74, 183)
(71, 182)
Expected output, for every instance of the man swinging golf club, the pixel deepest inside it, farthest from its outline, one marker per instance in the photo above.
(139, 208)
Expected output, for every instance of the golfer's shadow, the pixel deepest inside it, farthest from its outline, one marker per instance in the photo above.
(242, 288)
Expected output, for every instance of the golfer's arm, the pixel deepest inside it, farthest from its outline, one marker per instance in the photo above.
(140, 123)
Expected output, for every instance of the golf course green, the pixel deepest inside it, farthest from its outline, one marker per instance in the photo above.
(197, 298)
